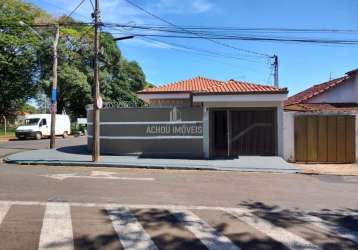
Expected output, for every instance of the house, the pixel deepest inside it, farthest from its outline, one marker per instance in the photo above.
(320, 122)
(198, 117)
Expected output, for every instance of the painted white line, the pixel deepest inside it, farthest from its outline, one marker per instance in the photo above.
(56, 231)
(148, 122)
(205, 233)
(4, 208)
(92, 204)
(68, 176)
(146, 137)
(340, 231)
(279, 234)
(130, 232)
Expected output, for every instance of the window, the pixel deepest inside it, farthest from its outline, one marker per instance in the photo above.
(31, 121)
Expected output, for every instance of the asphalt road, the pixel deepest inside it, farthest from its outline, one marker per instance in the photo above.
(48, 207)
(11, 147)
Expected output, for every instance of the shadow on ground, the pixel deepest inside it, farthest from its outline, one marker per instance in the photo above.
(167, 232)
(77, 149)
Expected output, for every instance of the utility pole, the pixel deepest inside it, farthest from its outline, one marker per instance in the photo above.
(275, 65)
(54, 89)
(96, 95)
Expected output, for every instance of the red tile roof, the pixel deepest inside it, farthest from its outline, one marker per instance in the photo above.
(234, 86)
(314, 107)
(315, 90)
(204, 86)
(191, 85)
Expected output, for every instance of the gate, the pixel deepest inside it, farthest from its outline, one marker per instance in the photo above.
(325, 139)
(238, 132)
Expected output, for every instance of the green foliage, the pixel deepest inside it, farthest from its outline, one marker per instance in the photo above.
(26, 62)
(18, 59)
(28, 109)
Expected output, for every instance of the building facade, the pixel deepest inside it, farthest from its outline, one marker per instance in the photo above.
(320, 123)
(198, 118)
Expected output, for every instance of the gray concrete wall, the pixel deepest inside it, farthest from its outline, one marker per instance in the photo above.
(162, 132)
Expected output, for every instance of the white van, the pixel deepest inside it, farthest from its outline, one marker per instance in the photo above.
(39, 125)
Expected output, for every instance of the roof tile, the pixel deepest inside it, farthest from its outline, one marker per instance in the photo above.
(191, 85)
(315, 90)
(204, 86)
(234, 86)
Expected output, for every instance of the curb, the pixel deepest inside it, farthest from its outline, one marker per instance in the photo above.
(110, 165)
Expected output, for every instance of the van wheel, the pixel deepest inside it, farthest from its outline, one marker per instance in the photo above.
(38, 136)
(65, 135)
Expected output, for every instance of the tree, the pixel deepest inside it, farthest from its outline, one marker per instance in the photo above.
(26, 62)
(18, 57)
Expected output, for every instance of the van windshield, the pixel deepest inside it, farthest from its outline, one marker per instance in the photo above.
(31, 122)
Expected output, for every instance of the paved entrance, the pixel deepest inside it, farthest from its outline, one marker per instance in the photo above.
(78, 155)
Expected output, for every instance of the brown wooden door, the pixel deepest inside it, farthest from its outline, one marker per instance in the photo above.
(329, 139)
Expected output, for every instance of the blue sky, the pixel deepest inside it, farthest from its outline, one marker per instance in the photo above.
(300, 65)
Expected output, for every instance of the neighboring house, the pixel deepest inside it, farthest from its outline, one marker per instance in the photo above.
(320, 122)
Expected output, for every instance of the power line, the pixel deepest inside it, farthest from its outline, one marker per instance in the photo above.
(270, 74)
(188, 31)
(92, 5)
(59, 7)
(67, 24)
(181, 46)
(246, 29)
(205, 53)
(75, 9)
(249, 38)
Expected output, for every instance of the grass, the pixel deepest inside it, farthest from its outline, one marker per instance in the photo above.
(10, 131)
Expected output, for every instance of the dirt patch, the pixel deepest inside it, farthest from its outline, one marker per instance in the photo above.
(332, 169)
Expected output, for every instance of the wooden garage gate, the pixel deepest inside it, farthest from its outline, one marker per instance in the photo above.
(325, 139)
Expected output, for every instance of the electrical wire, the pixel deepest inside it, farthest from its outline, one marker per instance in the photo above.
(92, 5)
(194, 51)
(231, 29)
(252, 38)
(75, 9)
(193, 33)
(270, 75)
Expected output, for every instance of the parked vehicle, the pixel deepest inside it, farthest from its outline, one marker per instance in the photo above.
(39, 126)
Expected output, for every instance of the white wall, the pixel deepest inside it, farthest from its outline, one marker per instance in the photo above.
(289, 136)
(347, 92)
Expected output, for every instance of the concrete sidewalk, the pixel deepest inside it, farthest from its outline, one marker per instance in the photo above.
(78, 156)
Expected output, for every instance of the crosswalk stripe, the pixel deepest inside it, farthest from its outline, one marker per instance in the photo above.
(4, 208)
(341, 231)
(130, 232)
(204, 232)
(279, 234)
(56, 231)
